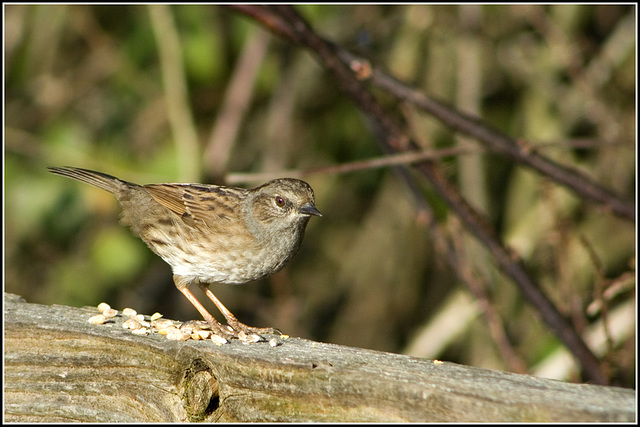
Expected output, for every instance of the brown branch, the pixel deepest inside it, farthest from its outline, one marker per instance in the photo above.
(496, 141)
(519, 151)
(267, 18)
(395, 140)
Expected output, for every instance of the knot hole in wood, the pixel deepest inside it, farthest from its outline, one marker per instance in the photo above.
(201, 397)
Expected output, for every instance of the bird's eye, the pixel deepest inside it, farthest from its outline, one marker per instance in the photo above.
(280, 201)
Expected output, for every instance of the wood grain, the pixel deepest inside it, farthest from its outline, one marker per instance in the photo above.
(60, 368)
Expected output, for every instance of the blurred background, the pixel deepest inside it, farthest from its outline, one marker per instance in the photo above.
(199, 93)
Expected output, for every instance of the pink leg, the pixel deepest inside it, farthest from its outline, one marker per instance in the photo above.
(231, 319)
(217, 327)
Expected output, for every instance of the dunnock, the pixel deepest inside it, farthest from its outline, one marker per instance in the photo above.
(212, 233)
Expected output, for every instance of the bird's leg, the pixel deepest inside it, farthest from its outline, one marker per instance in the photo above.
(217, 327)
(231, 319)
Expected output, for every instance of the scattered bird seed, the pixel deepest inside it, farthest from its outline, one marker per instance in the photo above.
(199, 335)
(177, 335)
(218, 340)
(109, 313)
(249, 338)
(162, 323)
(167, 329)
(98, 319)
(131, 324)
(129, 312)
(194, 329)
(203, 334)
(186, 329)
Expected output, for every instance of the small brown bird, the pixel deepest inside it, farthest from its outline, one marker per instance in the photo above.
(212, 233)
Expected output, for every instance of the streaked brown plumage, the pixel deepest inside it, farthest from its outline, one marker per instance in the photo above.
(212, 233)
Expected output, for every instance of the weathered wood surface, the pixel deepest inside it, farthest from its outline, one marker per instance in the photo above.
(59, 367)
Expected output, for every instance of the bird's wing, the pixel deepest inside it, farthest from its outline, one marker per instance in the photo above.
(207, 204)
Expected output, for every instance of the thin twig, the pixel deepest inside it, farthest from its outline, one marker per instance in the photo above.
(601, 283)
(374, 163)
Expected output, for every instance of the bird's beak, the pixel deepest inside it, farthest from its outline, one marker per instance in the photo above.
(309, 209)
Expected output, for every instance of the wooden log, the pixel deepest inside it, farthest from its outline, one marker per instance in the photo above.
(59, 368)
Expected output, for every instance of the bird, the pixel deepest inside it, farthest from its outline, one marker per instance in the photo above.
(213, 233)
